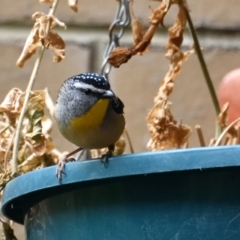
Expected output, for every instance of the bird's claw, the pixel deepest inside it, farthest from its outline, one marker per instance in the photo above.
(105, 158)
(61, 166)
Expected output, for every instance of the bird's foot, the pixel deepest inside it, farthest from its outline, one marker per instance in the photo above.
(105, 157)
(61, 165)
(62, 161)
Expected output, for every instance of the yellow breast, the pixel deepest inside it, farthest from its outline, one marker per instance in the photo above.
(92, 119)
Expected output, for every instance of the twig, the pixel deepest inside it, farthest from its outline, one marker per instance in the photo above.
(4, 129)
(73, 152)
(185, 145)
(49, 103)
(7, 230)
(8, 150)
(227, 140)
(129, 141)
(225, 131)
(238, 133)
(204, 68)
(212, 142)
(200, 135)
(234, 141)
(28, 91)
(202, 63)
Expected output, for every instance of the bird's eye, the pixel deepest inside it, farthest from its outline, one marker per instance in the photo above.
(87, 91)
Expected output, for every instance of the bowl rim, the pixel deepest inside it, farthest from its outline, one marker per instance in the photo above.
(28, 189)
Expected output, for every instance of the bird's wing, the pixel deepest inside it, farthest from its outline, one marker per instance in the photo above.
(117, 105)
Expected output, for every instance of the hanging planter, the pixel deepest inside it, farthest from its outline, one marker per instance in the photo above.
(173, 194)
(178, 194)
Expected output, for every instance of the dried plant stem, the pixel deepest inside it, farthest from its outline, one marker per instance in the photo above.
(7, 231)
(8, 150)
(225, 131)
(49, 103)
(234, 141)
(238, 133)
(227, 140)
(73, 152)
(4, 129)
(24, 108)
(129, 141)
(204, 68)
(200, 135)
(202, 63)
(212, 142)
(28, 90)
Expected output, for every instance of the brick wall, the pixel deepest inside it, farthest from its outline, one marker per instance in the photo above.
(136, 82)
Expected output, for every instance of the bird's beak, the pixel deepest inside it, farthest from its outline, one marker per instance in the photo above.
(108, 94)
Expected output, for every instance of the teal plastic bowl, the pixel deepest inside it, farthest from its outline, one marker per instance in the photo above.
(188, 194)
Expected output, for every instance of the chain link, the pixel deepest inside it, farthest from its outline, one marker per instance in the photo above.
(116, 30)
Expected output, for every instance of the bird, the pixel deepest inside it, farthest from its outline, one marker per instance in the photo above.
(89, 115)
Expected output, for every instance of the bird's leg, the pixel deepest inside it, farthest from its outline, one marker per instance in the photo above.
(109, 153)
(62, 161)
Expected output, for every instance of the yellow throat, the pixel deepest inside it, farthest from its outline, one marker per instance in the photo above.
(93, 118)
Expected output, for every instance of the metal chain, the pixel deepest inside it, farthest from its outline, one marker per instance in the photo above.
(116, 30)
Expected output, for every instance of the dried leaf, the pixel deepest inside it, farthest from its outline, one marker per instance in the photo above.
(57, 45)
(142, 41)
(47, 125)
(49, 103)
(30, 46)
(8, 231)
(35, 112)
(42, 36)
(227, 140)
(5, 177)
(159, 13)
(137, 29)
(45, 1)
(4, 143)
(12, 104)
(119, 55)
(73, 5)
(184, 132)
(238, 133)
(55, 21)
(36, 148)
(165, 133)
(39, 146)
(176, 31)
(223, 116)
(43, 156)
(230, 130)
(30, 163)
(36, 101)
